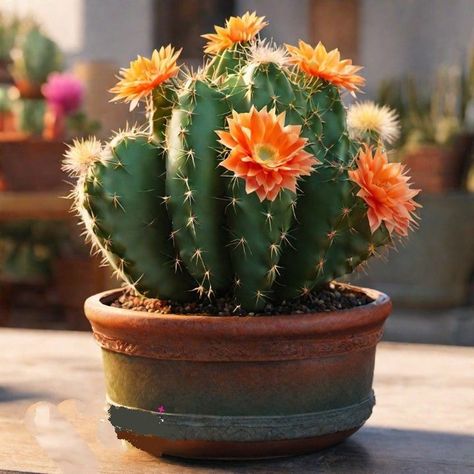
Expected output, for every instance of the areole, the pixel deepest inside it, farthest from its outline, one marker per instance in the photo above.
(236, 387)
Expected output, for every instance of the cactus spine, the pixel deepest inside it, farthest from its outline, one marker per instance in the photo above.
(247, 181)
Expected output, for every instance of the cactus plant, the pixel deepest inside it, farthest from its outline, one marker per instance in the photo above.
(246, 180)
(34, 58)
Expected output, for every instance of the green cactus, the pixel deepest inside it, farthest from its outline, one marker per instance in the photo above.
(35, 58)
(180, 220)
(29, 115)
(195, 186)
(122, 197)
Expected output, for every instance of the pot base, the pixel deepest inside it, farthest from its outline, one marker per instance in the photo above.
(237, 437)
(231, 450)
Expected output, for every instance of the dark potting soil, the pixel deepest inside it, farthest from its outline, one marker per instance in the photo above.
(334, 297)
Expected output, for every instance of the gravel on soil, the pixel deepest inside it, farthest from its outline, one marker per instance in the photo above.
(333, 297)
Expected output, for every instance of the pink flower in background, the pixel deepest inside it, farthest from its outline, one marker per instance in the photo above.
(63, 92)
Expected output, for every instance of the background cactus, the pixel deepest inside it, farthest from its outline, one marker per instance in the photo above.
(180, 217)
(35, 57)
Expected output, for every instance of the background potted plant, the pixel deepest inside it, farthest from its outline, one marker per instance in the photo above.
(48, 110)
(28, 163)
(228, 216)
(437, 127)
(35, 57)
(64, 95)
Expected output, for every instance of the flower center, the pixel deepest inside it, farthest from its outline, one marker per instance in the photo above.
(266, 155)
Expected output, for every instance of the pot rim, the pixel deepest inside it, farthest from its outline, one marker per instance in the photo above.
(102, 316)
(237, 338)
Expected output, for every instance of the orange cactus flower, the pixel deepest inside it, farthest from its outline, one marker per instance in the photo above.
(238, 29)
(385, 188)
(318, 62)
(144, 74)
(268, 155)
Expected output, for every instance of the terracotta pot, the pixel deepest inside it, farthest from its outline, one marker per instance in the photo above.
(237, 387)
(7, 122)
(29, 90)
(437, 169)
(54, 124)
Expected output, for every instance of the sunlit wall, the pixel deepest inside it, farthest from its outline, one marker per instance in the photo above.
(396, 37)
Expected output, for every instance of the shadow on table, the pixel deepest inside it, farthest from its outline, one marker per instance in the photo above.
(7, 395)
(372, 450)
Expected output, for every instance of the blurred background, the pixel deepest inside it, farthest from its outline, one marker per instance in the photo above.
(58, 58)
